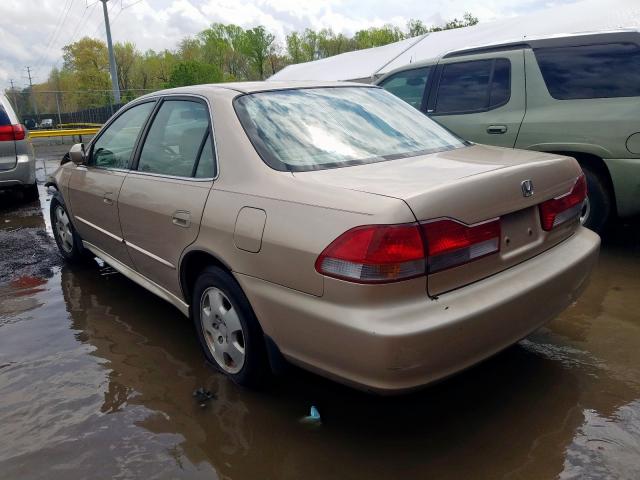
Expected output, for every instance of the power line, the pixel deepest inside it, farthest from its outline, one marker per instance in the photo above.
(52, 35)
(56, 35)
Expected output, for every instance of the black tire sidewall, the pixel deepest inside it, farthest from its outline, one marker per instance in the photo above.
(599, 201)
(31, 193)
(255, 370)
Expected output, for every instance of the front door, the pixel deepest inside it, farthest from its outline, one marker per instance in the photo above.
(481, 98)
(163, 197)
(94, 187)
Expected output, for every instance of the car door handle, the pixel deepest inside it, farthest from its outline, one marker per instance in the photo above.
(106, 198)
(181, 218)
(496, 129)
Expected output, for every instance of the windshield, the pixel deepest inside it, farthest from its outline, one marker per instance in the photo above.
(317, 128)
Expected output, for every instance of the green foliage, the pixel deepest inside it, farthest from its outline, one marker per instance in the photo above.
(219, 53)
(376, 37)
(192, 72)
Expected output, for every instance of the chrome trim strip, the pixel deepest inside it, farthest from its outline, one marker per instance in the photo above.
(101, 230)
(149, 254)
(139, 279)
(174, 177)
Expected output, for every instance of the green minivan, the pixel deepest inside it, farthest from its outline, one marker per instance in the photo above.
(576, 95)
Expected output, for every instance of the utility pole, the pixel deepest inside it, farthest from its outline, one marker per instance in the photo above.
(33, 97)
(112, 58)
(15, 100)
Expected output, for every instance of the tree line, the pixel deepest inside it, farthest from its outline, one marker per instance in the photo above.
(220, 53)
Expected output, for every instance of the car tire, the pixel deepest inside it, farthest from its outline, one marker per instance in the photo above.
(67, 239)
(228, 330)
(31, 193)
(597, 209)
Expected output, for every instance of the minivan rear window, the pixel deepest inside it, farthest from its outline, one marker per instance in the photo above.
(591, 71)
(4, 118)
(318, 128)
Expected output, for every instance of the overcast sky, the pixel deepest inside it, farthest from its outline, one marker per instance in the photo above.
(32, 32)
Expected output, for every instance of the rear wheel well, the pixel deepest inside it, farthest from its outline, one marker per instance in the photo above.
(191, 267)
(597, 166)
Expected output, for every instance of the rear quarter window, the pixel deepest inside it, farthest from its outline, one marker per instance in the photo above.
(591, 71)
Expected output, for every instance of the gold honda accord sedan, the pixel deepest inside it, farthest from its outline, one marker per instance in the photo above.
(328, 224)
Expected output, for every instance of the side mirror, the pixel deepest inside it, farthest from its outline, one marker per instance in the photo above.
(76, 154)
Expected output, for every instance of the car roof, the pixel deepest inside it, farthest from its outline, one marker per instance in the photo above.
(252, 87)
(564, 40)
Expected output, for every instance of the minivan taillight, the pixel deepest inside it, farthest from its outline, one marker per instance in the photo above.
(566, 207)
(374, 254)
(451, 243)
(389, 253)
(9, 133)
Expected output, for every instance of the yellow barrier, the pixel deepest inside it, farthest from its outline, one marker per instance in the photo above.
(63, 132)
(79, 124)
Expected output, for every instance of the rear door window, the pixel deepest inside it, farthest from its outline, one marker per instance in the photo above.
(175, 139)
(591, 71)
(408, 85)
(473, 86)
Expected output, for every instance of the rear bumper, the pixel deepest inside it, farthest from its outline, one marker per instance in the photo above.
(402, 345)
(23, 174)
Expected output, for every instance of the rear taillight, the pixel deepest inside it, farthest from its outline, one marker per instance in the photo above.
(389, 253)
(9, 133)
(450, 243)
(567, 207)
(374, 254)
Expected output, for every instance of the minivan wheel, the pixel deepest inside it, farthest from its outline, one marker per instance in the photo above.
(227, 328)
(597, 207)
(67, 239)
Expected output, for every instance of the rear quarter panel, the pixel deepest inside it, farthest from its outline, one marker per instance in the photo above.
(301, 218)
(599, 126)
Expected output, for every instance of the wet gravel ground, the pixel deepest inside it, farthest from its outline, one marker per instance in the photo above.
(97, 375)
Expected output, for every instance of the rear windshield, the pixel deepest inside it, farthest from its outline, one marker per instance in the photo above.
(318, 128)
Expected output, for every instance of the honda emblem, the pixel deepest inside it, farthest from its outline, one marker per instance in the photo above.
(527, 188)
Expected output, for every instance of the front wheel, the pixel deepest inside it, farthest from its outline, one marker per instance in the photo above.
(597, 208)
(227, 328)
(67, 239)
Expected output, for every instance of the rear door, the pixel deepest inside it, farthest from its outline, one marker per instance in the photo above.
(162, 198)
(481, 97)
(94, 187)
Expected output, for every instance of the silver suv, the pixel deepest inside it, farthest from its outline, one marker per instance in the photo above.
(17, 162)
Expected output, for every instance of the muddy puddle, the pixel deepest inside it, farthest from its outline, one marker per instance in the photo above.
(97, 376)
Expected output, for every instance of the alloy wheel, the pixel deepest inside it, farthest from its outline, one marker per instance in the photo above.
(586, 210)
(63, 229)
(223, 332)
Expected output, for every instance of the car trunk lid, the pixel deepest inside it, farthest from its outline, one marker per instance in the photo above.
(471, 185)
